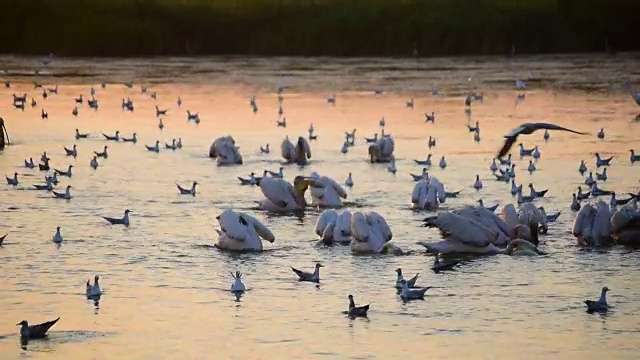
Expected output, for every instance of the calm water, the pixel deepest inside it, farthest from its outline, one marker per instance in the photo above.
(166, 285)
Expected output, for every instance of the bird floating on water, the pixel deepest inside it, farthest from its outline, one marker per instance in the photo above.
(66, 195)
(38, 331)
(356, 311)
(399, 278)
(306, 276)
(119, 221)
(12, 181)
(237, 286)
(407, 294)
(155, 148)
(93, 291)
(599, 305)
(57, 237)
(184, 191)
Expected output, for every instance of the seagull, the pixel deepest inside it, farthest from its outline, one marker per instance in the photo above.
(237, 286)
(160, 112)
(65, 195)
(171, 146)
(64, 173)
(13, 181)
(94, 163)
(602, 176)
(602, 162)
(57, 238)
(132, 139)
(115, 137)
(600, 305)
(355, 311)
(71, 152)
(160, 124)
(410, 103)
(490, 208)
(155, 148)
(412, 294)
(601, 133)
(191, 191)
(278, 174)
(443, 163)
(430, 118)
(265, 150)
(531, 168)
(93, 291)
(349, 181)
(305, 276)
(74, 112)
(179, 143)
(102, 154)
(29, 164)
(537, 194)
(528, 129)
(119, 221)
(478, 184)
(44, 115)
(633, 157)
(399, 279)
(35, 331)
(583, 167)
(47, 186)
(2, 238)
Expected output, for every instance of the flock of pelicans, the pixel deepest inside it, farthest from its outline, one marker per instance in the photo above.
(472, 230)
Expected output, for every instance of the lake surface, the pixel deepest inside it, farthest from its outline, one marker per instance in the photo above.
(166, 285)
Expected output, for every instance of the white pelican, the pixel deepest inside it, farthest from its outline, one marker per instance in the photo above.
(329, 194)
(349, 181)
(592, 226)
(225, 151)
(241, 232)
(371, 234)
(282, 196)
(625, 225)
(298, 154)
(382, 150)
(528, 129)
(333, 227)
(428, 194)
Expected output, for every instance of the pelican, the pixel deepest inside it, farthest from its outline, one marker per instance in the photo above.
(65, 195)
(592, 225)
(371, 234)
(382, 150)
(428, 194)
(237, 286)
(599, 305)
(407, 294)
(38, 331)
(133, 139)
(71, 152)
(104, 154)
(329, 194)
(94, 163)
(443, 163)
(583, 167)
(57, 237)
(306, 276)
(478, 184)
(528, 129)
(185, 191)
(633, 157)
(333, 227)
(115, 137)
(602, 162)
(155, 148)
(349, 181)
(93, 290)
(354, 310)
(426, 162)
(601, 133)
(282, 196)
(300, 153)
(29, 164)
(12, 181)
(241, 232)
(399, 279)
(536, 194)
(119, 221)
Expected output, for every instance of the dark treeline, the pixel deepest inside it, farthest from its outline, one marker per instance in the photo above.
(316, 27)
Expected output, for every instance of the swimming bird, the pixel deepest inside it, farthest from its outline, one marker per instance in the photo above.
(531, 168)
(603, 162)
(432, 142)
(160, 124)
(490, 208)
(45, 166)
(345, 148)
(536, 152)
(79, 99)
(119, 221)
(443, 163)
(528, 129)
(546, 135)
(282, 123)
(581, 195)
(399, 279)
(506, 161)
(160, 112)
(64, 173)
(410, 103)
(595, 191)
(599, 305)
(57, 237)
(478, 184)
(80, 136)
(179, 143)
(476, 136)
(430, 118)
(179, 101)
(551, 218)
(515, 188)
(582, 168)
(474, 128)
(349, 181)
(412, 294)
(133, 139)
(602, 176)
(265, 150)
(382, 122)
(356, 311)
(102, 154)
(44, 115)
(12, 181)
(426, 162)
(53, 179)
(424, 175)
(278, 174)
(237, 286)
(38, 331)
(332, 99)
(29, 164)
(575, 204)
(71, 152)
(523, 198)
(633, 157)
(65, 195)
(155, 148)
(537, 194)
(614, 201)
(374, 139)
(93, 291)
(525, 152)
(601, 133)
(252, 180)
(306, 276)
(442, 266)
(115, 137)
(74, 112)
(392, 166)
(171, 146)
(453, 194)
(589, 180)
(493, 167)
(94, 162)
(48, 186)
(191, 191)
(93, 104)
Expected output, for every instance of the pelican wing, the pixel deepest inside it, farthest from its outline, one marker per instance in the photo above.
(343, 225)
(510, 216)
(387, 145)
(379, 221)
(261, 229)
(233, 224)
(602, 224)
(277, 190)
(327, 217)
(442, 194)
(419, 193)
(305, 146)
(334, 184)
(548, 126)
(359, 227)
(287, 150)
(465, 230)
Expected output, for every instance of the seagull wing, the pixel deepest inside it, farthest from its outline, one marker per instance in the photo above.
(508, 143)
(548, 126)
(41, 329)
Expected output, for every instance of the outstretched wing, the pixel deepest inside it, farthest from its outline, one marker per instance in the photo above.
(548, 126)
(508, 143)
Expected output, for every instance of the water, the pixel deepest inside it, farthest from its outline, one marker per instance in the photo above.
(166, 285)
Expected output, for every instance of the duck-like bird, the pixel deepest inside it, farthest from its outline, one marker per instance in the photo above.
(528, 129)
(306, 276)
(80, 136)
(439, 266)
(355, 311)
(155, 148)
(64, 173)
(412, 294)
(65, 195)
(185, 191)
(410, 283)
(237, 286)
(93, 291)
(13, 181)
(119, 221)
(35, 331)
(115, 137)
(71, 152)
(599, 305)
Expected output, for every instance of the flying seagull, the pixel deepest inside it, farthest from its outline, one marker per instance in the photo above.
(528, 129)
